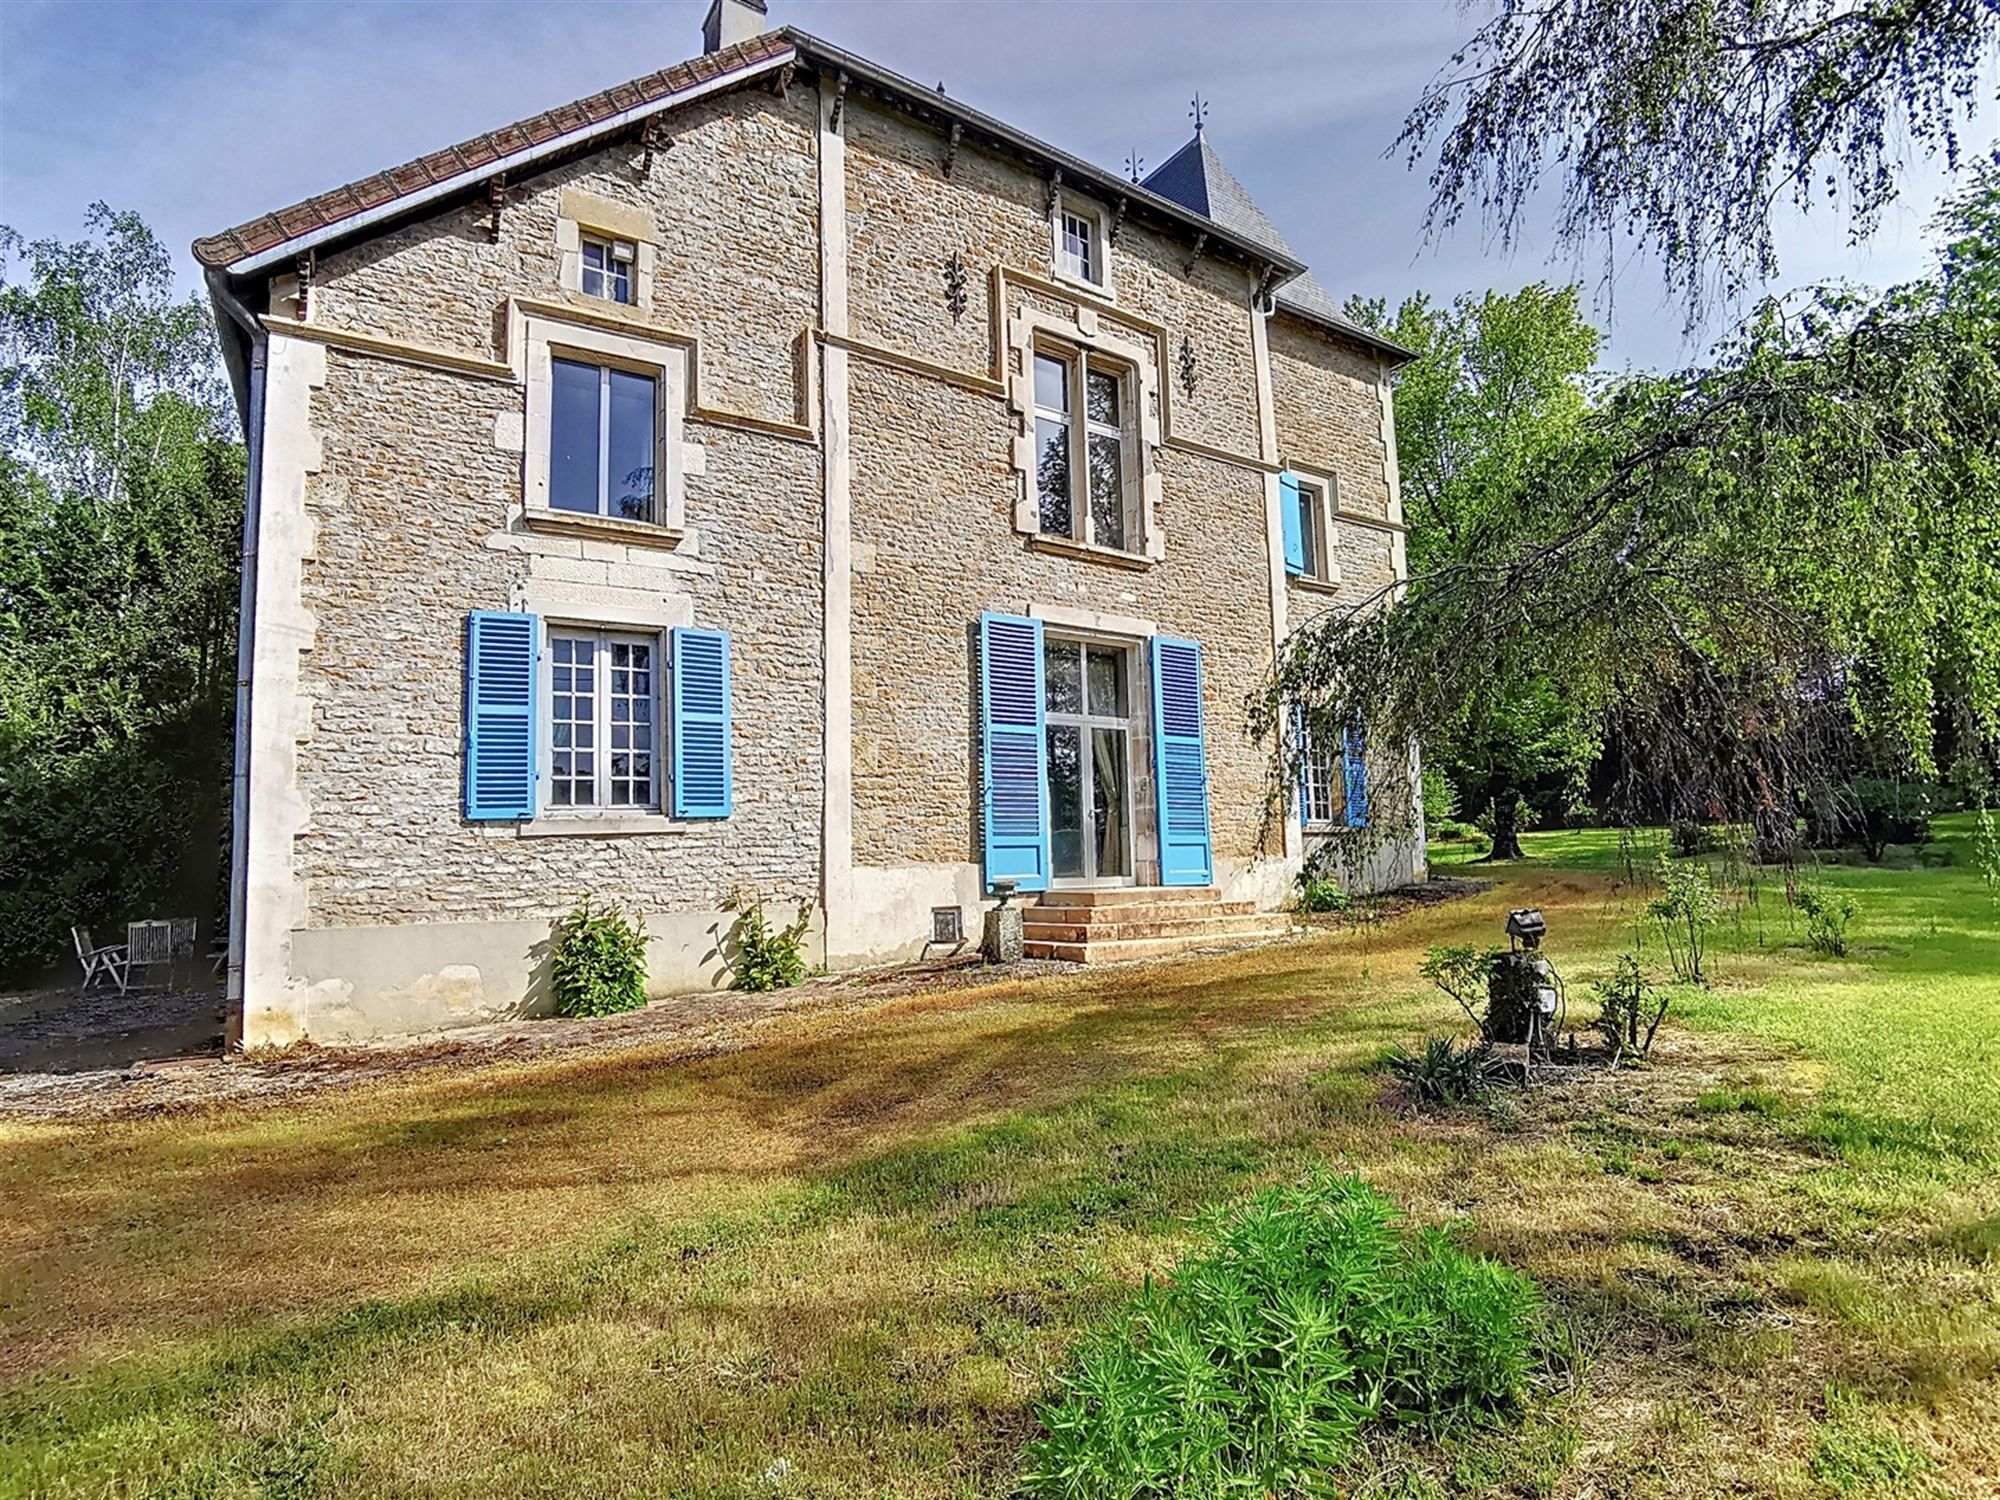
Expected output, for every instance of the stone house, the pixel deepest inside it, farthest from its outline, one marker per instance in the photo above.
(774, 477)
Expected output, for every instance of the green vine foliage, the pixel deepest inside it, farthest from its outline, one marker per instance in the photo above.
(599, 966)
(768, 957)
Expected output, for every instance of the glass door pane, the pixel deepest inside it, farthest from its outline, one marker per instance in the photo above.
(1066, 778)
(1109, 815)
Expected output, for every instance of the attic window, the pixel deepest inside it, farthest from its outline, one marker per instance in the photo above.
(607, 268)
(1081, 242)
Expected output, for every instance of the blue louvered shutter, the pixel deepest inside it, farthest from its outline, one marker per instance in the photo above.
(1180, 766)
(704, 777)
(1354, 763)
(500, 653)
(1290, 500)
(1014, 756)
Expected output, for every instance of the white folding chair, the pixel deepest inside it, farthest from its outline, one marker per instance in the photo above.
(100, 963)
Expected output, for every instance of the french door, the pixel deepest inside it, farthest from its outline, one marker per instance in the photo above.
(1088, 721)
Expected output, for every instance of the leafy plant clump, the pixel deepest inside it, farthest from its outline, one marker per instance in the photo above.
(1321, 895)
(1685, 909)
(1630, 1009)
(767, 957)
(1440, 1072)
(1255, 1367)
(599, 964)
(1827, 911)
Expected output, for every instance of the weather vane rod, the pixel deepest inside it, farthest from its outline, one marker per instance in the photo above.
(1198, 112)
(1135, 166)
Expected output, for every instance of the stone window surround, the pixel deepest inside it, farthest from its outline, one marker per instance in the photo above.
(579, 213)
(1080, 363)
(542, 339)
(1325, 489)
(1063, 201)
(1081, 331)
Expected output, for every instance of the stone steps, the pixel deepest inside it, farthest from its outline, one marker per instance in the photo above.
(1118, 924)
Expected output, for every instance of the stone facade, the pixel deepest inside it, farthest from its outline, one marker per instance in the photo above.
(394, 475)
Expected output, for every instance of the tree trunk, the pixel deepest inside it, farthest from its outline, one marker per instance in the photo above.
(1506, 826)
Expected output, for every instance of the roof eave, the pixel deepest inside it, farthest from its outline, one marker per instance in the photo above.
(444, 188)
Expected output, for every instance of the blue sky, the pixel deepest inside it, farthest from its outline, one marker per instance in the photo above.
(200, 115)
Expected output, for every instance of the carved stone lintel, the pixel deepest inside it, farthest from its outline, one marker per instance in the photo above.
(839, 103)
(1117, 222)
(1200, 244)
(1055, 193)
(951, 147)
(496, 200)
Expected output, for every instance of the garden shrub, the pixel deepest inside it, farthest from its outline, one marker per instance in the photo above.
(767, 957)
(1462, 972)
(1440, 1072)
(1255, 1367)
(1886, 810)
(599, 962)
(1827, 911)
(1630, 1008)
(1685, 909)
(1321, 894)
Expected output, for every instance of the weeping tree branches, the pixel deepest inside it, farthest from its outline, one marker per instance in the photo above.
(1739, 572)
(1680, 125)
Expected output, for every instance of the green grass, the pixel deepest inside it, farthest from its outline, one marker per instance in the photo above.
(851, 1259)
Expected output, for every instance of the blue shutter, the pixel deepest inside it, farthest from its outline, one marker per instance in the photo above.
(1180, 768)
(1290, 499)
(1014, 755)
(704, 779)
(500, 652)
(1354, 763)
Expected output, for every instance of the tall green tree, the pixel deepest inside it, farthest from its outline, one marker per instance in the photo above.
(1496, 389)
(120, 528)
(1680, 126)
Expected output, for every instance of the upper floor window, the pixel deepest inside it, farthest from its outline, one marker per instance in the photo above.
(601, 443)
(1082, 410)
(1311, 502)
(1307, 509)
(607, 268)
(1079, 246)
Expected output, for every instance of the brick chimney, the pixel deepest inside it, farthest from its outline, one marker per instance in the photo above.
(730, 22)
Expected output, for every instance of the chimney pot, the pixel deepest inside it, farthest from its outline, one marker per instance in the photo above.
(730, 22)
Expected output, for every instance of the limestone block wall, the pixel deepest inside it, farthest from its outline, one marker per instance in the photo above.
(1327, 394)
(734, 205)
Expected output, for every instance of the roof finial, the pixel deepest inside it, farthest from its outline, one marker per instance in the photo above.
(1198, 112)
(1135, 166)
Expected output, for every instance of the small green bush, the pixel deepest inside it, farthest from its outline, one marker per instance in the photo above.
(1629, 1009)
(1254, 1369)
(1827, 912)
(599, 963)
(1441, 1072)
(1322, 895)
(1685, 909)
(767, 957)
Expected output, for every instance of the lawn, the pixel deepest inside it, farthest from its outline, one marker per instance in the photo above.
(848, 1260)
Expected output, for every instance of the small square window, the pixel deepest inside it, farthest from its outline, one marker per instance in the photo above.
(607, 268)
(947, 924)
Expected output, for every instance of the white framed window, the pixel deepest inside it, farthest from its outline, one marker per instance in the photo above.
(602, 723)
(1312, 527)
(601, 439)
(1320, 772)
(608, 267)
(1083, 405)
(1082, 243)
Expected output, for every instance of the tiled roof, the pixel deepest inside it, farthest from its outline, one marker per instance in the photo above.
(1195, 178)
(493, 150)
